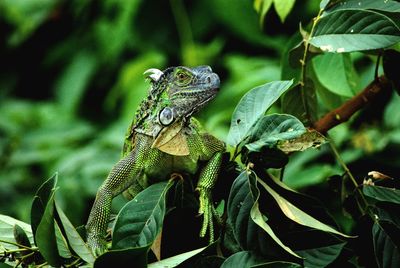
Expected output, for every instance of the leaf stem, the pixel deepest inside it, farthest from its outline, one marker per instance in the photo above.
(236, 152)
(16, 244)
(307, 46)
(378, 60)
(348, 172)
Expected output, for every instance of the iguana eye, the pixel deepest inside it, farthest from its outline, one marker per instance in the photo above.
(182, 76)
(166, 116)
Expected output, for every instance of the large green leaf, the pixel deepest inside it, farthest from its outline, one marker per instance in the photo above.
(245, 231)
(355, 30)
(175, 260)
(301, 101)
(7, 224)
(243, 205)
(261, 220)
(277, 264)
(296, 214)
(336, 73)
(386, 239)
(252, 106)
(26, 16)
(241, 259)
(74, 239)
(380, 5)
(273, 128)
(382, 193)
(283, 8)
(134, 257)
(140, 221)
(389, 212)
(20, 236)
(62, 244)
(322, 256)
(40, 200)
(45, 236)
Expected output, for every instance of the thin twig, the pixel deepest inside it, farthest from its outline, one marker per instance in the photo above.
(348, 172)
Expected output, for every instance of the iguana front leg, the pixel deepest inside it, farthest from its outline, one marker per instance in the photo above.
(207, 180)
(122, 175)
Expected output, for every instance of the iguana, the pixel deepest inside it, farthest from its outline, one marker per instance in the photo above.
(164, 139)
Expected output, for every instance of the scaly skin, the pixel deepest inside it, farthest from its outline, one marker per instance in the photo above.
(164, 139)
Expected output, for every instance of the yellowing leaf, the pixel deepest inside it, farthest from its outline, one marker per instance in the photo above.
(297, 215)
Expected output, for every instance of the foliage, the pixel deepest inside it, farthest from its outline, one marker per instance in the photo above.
(69, 65)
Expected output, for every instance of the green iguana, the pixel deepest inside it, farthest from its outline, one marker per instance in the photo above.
(164, 139)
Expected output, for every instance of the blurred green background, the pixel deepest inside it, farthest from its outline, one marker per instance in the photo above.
(72, 76)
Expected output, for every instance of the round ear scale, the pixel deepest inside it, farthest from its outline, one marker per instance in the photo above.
(166, 116)
(153, 74)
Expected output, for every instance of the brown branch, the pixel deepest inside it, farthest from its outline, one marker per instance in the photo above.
(344, 112)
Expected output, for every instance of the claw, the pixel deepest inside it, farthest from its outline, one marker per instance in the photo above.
(209, 213)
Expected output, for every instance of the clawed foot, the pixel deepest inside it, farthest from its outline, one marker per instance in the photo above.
(209, 213)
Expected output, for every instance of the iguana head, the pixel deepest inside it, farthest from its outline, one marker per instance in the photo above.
(175, 94)
(182, 91)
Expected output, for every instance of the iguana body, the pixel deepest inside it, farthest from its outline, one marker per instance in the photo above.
(164, 139)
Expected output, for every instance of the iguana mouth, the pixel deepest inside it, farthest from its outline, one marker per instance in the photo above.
(202, 103)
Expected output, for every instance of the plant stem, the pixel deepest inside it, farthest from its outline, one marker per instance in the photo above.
(377, 66)
(307, 46)
(15, 244)
(348, 172)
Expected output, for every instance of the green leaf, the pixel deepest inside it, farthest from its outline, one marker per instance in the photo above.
(45, 236)
(354, 30)
(262, 7)
(20, 236)
(382, 193)
(243, 204)
(379, 5)
(336, 73)
(240, 202)
(386, 238)
(74, 239)
(40, 200)
(62, 244)
(7, 224)
(311, 138)
(73, 81)
(136, 257)
(388, 212)
(301, 102)
(241, 259)
(260, 220)
(175, 260)
(297, 215)
(43, 211)
(283, 8)
(140, 221)
(26, 16)
(277, 264)
(274, 128)
(252, 106)
(322, 256)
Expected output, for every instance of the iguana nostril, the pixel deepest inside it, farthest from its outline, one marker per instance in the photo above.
(208, 79)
